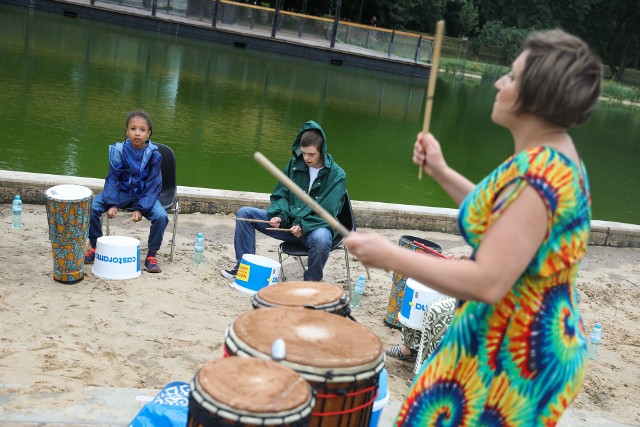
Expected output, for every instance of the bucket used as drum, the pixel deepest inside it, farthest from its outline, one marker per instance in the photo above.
(341, 359)
(243, 391)
(117, 258)
(399, 281)
(315, 295)
(414, 304)
(68, 214)
(256, 272)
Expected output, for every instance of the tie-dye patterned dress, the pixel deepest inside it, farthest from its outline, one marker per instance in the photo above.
(518, 362)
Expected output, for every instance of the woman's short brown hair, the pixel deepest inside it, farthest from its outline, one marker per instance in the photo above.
(561, 79)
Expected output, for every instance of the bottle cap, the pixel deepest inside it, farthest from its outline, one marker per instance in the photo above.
(597, 325)
(199, 234)
(17, 197)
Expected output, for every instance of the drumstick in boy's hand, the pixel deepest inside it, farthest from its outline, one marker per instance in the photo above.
(287, 230)
(253, 220)
(127, 220)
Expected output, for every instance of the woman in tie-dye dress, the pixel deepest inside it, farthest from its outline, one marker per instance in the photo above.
(515, 352)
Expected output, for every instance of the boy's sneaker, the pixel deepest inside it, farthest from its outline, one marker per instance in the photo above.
(229, 274)
(151, 264)
(90, 256)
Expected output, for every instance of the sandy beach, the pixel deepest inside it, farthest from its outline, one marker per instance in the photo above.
(154, 329)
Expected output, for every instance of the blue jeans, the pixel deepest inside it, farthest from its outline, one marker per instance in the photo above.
(158, 217)
(318, 241)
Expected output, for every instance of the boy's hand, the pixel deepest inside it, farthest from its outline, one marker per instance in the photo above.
(111, 213)
(136, 216)
(296, 230)
(275, 222)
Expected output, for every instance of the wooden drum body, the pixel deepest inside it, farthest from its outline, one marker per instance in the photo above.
(316, 295)
(68, 215)
(341, 359)
(240, 391)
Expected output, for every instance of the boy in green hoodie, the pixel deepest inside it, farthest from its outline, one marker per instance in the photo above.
(315, 171)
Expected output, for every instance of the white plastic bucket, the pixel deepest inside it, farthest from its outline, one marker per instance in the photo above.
(117, 258)
(256, 272)
(414, 303)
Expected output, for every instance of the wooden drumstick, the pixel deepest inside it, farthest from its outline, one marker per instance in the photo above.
(253, 220)
(433, 76)
(286, 230)
(127, 220)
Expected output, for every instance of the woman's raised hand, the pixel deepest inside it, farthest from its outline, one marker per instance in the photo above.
(428, 155)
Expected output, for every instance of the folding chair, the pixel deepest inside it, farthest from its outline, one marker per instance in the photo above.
(299, 250)
(169, 193)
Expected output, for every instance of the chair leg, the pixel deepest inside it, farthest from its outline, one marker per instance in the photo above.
(346, 260)
(173, 236)
(282, 277)
(302, 264)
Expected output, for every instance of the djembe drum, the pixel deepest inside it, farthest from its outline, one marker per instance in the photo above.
(315, 295)
(242, 391)
(68, 214)
(399, 281)
(341, 359)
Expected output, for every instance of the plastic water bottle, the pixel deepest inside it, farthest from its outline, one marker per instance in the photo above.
(198, 249)
(358, 290)
(17, 212)
(594, 341)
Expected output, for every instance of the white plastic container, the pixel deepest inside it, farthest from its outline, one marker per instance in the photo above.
(382, 399)
(117, 258)
(414, 303)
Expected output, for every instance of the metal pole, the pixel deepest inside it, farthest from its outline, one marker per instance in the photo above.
(276, 14)
(302, 21)
(360, 11)
(334, 33)
(214, 18)
(418, 49)
(154, 6)
(393, 35)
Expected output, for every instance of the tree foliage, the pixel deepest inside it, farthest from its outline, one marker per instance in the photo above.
(611, 27)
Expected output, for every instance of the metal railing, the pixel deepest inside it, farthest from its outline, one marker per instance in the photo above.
(285, 25)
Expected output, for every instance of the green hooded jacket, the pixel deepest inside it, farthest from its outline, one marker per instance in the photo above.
(328, 189)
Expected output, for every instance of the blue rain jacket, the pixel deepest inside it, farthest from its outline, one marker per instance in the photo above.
(123, 187)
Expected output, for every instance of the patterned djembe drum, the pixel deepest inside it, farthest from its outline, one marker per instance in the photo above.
(399, 281)
(68, 214)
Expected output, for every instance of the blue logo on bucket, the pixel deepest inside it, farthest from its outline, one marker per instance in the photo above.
(254, 276)
(406, 302)
(117, 259)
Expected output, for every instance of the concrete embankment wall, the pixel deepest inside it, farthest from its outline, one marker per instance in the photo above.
(31, 187)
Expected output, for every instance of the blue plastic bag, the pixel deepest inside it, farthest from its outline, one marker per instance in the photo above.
(170, 408)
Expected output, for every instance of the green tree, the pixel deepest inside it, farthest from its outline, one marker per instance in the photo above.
(505, 42)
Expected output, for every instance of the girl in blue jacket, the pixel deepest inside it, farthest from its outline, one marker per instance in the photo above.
(134, 181)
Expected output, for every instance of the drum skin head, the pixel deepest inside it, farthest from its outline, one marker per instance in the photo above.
(253, 385)
(297, 294)
(312, 338)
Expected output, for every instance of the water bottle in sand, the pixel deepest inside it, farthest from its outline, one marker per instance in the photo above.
(358, 290)
(198, 249)
(17, 212)
(595, 338)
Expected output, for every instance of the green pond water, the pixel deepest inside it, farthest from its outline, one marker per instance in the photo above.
(67, 85)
